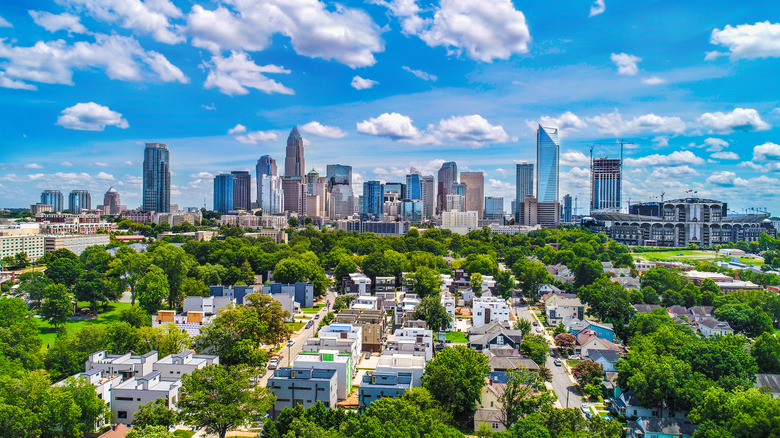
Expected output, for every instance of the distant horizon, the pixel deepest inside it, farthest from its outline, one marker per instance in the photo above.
(399, 86)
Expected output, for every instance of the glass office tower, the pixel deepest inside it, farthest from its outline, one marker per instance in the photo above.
(223, 192)
(157, 178)
(547, 161)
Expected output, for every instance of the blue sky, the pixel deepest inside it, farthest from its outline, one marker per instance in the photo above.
(385, 85)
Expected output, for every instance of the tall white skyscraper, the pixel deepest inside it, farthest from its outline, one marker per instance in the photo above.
(272, 196)
(547, 164)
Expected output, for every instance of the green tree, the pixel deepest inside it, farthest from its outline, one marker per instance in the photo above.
(475, 283)
(21, 260)
(455, 378)
(741, 413)
(128, 268)
(64, 271)
(587, 271)
(19, 339)
(376, 265)
(345, 267)
(424, 281)
(535, 347)
(92, 287)
(149, 432)
(152, 289)
(505, 284)
(57, 307)
(523, 394)
(135, 316)
(766, 351)
(431, 311)
(661, 279)
(219, 399)
(565, 341)
(193, 287)
(530, 276)
(524, 326)
(342, 302)
(293, 221)
(175, 263)
(167, 339)
(96, 258)
(290, 270)
(122, 337)
(587, 372)
(34, 285)
(155, 413)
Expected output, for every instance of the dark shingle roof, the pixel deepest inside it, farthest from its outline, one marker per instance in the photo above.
(770, 380)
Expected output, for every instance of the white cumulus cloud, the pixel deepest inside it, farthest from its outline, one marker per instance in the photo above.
(614, 124)
(474, 130)
(320, 130)
(232, 75)
(315, 29)
(626, 64)
(56, 22)
(725, 156)
(722, 178)
(653, 80)
(715, 144)
(565, 122)
(243, 135)
(739, 119)
(143, 18)
(53, 62)
(747, 41)
(33, 166)
(5, 23)
(766, 151)
(395, 126)
(421, 74)
(673, 159)
(359, 83)
(90, 116)
(574, 158)
(597, 8)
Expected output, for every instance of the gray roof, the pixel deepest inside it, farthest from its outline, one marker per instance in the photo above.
(715, 324)
(669, 426)
(486, 328)
(487, 415)
(502, 363)
(646, 308)
(702, 310)
(610, 355)
(770, 380)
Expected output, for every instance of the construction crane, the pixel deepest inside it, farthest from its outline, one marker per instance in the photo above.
(593, 145)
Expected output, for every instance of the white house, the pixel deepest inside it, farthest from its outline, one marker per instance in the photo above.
(713, 327)
(561, 309)
(409, 339)
(126, 365)
(344, 331)
(403, 363)
(365, 302)
(207, 305)
(134, 392)
(100, 379)
(489, 309)
(173, 366)
(448, 301)
(330, 360)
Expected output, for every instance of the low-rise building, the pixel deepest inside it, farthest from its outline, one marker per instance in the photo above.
(412, 340)
(101, 380)
(343, 346)
(330, 360)
(602, 329)
(384, 284)
(448, 301)
(207, 305)
(126, 365)
(366, 302)
(373, 324)
(377, 384)
(607, 358)
(494, 335)
(173, 366)
(128, 396)
(191, 323)
(489, 309)
(560, 309)
(349, 334)
(712, 327)
(403, 363)
(237, 292)
(302, 292)
(356, 284)
(76, 243)
(21, 237)
(661, 428)
(587, 340)
(303, 386)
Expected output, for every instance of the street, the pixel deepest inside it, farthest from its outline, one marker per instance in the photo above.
(562, 382)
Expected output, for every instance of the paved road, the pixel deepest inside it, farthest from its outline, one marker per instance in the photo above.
(562, 382)
(287, 354)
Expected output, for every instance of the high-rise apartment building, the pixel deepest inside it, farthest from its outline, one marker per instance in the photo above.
(53, 198)
(605, 184)
(459, 188)
(475, 191)
(454, 203)
(294, 163)
(242, 190)
(79, 200)
(156, 179)
(338, 174)
(566, 214)
(317, 195)
(341, 201)
(266, 165)
(373, 200)
(448, 175)
(224, 187)
(427, 191)
(494, 207)
(524, 184)
(294, 190)
(414, 186)
(547, 162)
(272, 201)
(396, 187)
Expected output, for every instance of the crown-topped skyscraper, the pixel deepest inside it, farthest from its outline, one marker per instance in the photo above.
(294, 163)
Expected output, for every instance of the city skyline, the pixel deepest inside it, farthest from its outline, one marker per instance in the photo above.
(378, 108)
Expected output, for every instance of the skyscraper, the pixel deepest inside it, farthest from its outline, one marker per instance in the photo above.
(494, 207)
(294, 190)
(224, 185)
(547, 161)
(524, 184)
(448, 174)
(397, 188)
(157, 179)
(294, 163)
(428, 196)
(373, 200)
(338, 174)
(414, 186)
(605, 184)
(475, 192)
(53, 198)
(112, 203)
(242, 190)
(79, 200)
(272, 201)
(266, 165)
(566, 216)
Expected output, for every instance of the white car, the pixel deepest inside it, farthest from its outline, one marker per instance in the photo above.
(291, 342)
(273, 364)
(585, 409)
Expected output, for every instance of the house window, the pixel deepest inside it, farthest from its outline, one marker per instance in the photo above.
(495, 425)
(121, 414)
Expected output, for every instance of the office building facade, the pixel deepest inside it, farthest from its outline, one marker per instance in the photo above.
(547, 162)
(79, 200)
(427, 191)
(524, 183)
(294, 162)
(605, 184)
(242, 190)
(272, 196)
(53, 198)
(447, 176)
(373, 200)
(338, 174)
(224, 186)
(294, 191)
(341, 202)
(112, 203)
(494, 207)
(266, 165)
(566, 213)
(156, 178)
(475, 192)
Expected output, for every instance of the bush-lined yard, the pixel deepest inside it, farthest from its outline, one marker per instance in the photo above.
(48, 333)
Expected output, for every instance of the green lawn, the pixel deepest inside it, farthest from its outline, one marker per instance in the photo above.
(295, 326)
(691, 255)
(572, 362)
(183, 433)
(457, 337)
(47, 333)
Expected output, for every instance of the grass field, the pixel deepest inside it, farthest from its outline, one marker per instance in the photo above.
(47, 333)
(457, 337)
(690, 256)
(183, 433)
(295, 326)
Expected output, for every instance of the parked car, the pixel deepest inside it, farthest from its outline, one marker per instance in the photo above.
(575, 357)
(309, 324)
(552, 352)
(368, 355)
(317, 316)
(273, 364)
(558, 362)
(440, 346)
(585, 409)
(291, 342)
(535, 323)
